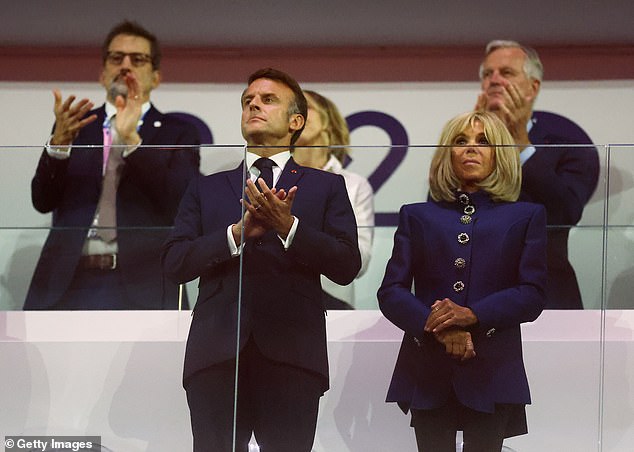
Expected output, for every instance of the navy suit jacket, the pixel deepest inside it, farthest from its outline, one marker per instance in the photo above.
(152, 183)
(282, 308)
(503, 284)
(562, 179)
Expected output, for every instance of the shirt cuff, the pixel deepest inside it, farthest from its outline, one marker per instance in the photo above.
(130, 149)
(57, 152)
(233, 248)
(291, 234)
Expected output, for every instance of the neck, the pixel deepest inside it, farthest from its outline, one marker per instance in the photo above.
(264, 151)
(312, 157)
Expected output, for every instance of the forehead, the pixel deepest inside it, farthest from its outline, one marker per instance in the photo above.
(509, 56)
(472, 129)
(129, 43)
(267, 86)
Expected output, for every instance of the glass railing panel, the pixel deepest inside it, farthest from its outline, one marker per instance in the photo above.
(617, 370)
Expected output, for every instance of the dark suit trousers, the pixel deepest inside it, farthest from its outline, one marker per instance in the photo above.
(95, 289)
(482, 432)
(277, 402)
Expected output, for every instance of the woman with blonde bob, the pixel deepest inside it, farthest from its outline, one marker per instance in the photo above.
(323, 145)
(467, 268)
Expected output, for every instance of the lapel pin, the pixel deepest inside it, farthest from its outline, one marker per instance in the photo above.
(294, 171)
(157, 124)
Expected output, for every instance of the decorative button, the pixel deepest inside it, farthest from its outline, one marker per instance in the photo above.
(465, 219)
(458, 286)
(490, 332)
(464, 198)
(460, 263)
(469, 210)
(463, 238)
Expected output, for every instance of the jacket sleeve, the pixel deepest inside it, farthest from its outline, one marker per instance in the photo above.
(188, 252)
(396, 300)
(525, 301)
(332, 250)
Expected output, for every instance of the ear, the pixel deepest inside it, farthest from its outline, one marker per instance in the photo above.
(295, 122)
(102, 78)
(156, 78)
(535, 86)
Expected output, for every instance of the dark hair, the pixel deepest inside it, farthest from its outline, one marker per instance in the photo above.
(133, 29)
(299, 104)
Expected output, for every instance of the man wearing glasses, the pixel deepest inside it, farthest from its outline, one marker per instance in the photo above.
(113, 178)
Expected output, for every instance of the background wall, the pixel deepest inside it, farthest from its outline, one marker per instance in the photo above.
(601, 108)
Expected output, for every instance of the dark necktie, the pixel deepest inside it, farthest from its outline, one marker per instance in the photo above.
(266, 170)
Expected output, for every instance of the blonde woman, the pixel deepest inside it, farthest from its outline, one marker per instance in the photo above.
(476, 259)
(323, 145)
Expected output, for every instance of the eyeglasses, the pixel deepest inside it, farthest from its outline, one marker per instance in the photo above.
(137, 59)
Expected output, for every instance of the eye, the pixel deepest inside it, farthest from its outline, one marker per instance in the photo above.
(482, 139)
(486, 73)
(460, 141)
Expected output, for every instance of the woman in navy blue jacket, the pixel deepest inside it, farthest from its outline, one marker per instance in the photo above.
(466, 270)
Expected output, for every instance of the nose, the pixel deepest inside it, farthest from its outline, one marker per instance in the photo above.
(126, 63)
(496, 78)
(254, 104)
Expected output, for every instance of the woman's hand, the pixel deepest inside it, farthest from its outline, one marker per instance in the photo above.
(457, 343)
(446, 314)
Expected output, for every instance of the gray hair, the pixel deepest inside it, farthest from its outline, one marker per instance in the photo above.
(533, 67)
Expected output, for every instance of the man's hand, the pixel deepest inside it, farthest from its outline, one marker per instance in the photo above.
(271, 207)
(252, 228)
(69, 118)
(457, 343)
(445, 314)
(129, 112)
(515, 111)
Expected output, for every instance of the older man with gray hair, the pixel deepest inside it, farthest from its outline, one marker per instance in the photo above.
(562, 177)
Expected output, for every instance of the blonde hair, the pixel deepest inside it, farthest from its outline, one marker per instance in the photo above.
(504, 182)
(334, 124)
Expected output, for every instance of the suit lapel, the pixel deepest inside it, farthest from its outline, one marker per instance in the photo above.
(291, 175)
(152, 122)
(237, 180)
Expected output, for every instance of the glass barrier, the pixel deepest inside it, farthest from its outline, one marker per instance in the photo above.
(577, 361)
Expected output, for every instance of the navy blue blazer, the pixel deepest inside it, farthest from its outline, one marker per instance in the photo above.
(152, 183)
(501, 280)
(282, 308)
(563, 179)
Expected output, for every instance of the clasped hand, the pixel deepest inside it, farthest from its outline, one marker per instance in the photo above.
(447, 322)
(265, 210)
(515, 111)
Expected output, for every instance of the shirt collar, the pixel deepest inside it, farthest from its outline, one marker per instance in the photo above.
(111, 110)
(280, 158)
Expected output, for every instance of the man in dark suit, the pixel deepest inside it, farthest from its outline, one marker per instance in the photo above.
(112, 203)
(259, 272)
(562, 178)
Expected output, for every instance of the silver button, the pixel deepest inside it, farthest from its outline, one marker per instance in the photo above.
(458, 286)
(460, 263)
(469, 210)
(465, 219)
(463, 238)
(463, 198)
